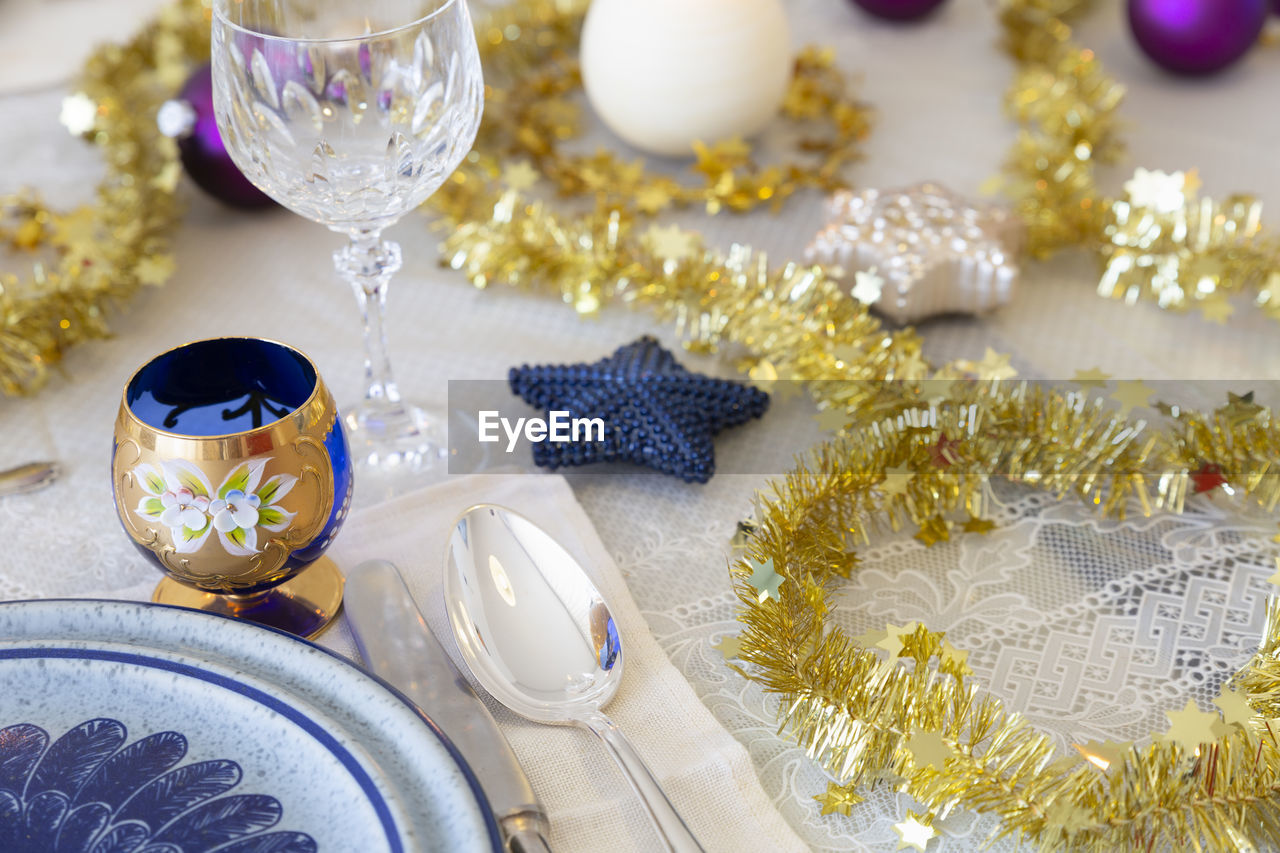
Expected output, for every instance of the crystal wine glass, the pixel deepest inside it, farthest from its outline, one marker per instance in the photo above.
(352, 114)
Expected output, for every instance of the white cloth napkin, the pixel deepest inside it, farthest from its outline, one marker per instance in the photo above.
(707, 773)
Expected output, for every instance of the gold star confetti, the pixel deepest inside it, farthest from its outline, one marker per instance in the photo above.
(867, 287)
(1240, 408)
(893, 638)
(653, 198)
(954, 662)
(933, 530)
(77, 228)
(1131, 394)
(1192, 727)
(896, 480)
(937, 390)
(28, 235)
(520, 175)
(1275, 578)
(994, 365)
(1235, 707)
(154, 270)
(844, 565)
(670, 242)
(729, 646)
(912, 367)
(724, 156)
(1104, 754)
(765, 377)
(765, 580)
(981, 526)
(929, 749)
(914, 832)
(79, 113)
(838, 799)
(1091, 378)
(872, 638)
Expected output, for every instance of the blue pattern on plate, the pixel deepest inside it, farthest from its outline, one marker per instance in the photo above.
(87, 792)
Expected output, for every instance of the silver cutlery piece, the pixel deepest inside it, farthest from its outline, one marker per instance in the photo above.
(28, 477)
(538, 635)
(396, 643)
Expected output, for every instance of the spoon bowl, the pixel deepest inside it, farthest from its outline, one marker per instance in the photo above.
(539, 636)
(532, 627)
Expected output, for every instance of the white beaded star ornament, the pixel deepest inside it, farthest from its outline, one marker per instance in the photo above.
(920, 251)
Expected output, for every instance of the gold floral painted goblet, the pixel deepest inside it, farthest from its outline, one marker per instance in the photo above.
(231, 473)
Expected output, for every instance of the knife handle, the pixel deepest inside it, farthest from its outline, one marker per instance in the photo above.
(396, 643)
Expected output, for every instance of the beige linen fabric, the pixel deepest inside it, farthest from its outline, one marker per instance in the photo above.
(707, 774)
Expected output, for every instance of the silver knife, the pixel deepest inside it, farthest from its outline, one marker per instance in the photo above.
(396, 643)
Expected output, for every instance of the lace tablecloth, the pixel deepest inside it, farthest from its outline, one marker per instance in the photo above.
(1094, 629)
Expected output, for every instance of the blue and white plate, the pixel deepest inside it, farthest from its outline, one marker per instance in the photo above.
(137, 728)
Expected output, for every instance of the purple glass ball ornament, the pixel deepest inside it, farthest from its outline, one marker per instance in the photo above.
(189, 118)
(1196, 37)
(899, 10)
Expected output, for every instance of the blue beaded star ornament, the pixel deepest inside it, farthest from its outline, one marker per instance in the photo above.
(655, 412)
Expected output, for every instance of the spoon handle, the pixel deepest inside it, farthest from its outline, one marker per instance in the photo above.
(27, 478)
(671, 827)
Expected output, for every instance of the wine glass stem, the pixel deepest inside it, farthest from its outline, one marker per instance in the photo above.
(368, 263)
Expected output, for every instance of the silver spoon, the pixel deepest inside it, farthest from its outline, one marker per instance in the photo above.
(537, 634)
(27, 478)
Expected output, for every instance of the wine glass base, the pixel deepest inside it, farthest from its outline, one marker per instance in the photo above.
(399, 441)
(305, 605)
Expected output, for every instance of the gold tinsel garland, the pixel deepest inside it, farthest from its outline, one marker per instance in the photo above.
(926, 728)
(1160, 240)
(101, 253)
(793, 321)
(97, 256)
(529, 53)
(950, 745)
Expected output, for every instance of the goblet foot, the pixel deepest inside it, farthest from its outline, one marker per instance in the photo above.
(304, 605)
(397, 442)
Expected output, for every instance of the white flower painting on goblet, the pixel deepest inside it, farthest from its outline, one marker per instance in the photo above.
(178, 495)
(183, 508)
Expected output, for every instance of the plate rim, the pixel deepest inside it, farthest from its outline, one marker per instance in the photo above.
(473, 783)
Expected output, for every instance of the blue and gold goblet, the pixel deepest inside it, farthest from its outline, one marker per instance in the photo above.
(231, 473)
